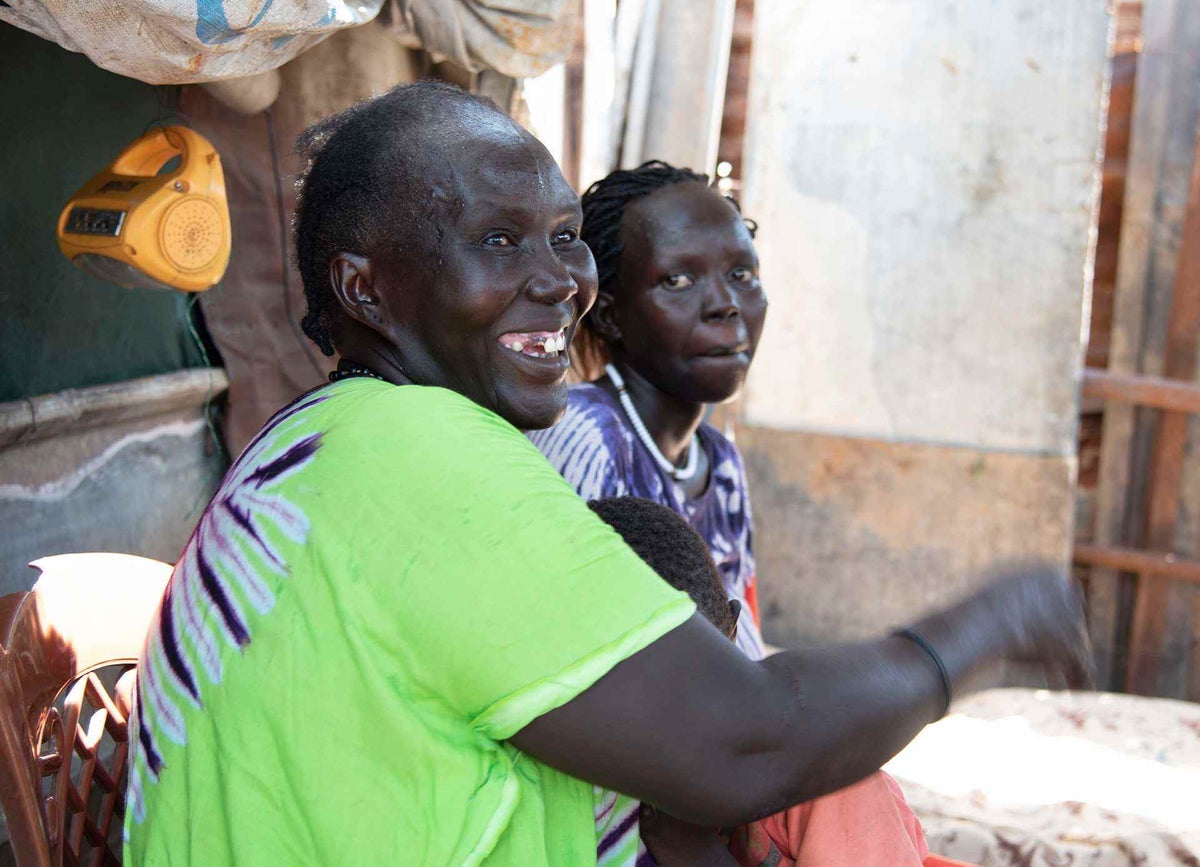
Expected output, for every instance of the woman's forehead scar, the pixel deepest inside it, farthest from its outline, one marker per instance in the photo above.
(436, 175)
(513, 205)
(505, 184)
(498, 164)
(481, 122)
(520, 163)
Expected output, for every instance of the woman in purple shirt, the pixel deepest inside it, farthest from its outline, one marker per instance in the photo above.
(674, 328)
(676, 323)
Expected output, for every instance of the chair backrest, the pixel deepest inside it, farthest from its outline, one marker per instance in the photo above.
(63, 731)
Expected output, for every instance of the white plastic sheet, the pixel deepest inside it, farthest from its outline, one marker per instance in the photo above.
(188, 41)
(519, 38)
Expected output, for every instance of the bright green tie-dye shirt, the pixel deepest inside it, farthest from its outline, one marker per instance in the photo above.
(389, 582)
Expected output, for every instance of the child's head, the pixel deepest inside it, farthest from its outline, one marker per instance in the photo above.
(675, 551)
(680, 300)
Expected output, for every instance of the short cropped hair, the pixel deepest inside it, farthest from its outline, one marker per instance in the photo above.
(673, 549)
(364, 184)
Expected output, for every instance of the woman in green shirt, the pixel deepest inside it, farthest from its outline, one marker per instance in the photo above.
(398, 637)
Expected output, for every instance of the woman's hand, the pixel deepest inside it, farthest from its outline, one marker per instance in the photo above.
(676, 843)
(1031, 614)
(1044, 612)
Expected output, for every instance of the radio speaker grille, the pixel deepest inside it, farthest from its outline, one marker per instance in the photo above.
(191, 234)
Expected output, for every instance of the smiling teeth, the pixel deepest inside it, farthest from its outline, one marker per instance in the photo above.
(536, 344)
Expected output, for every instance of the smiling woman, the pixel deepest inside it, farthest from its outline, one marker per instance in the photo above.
(498, 223)
(398, 636)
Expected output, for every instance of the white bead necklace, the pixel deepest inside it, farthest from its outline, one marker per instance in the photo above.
(679, 474)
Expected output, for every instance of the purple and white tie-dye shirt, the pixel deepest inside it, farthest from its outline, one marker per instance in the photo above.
(597, 452)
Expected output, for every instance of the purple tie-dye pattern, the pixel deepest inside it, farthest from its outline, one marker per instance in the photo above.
(153, 759)
(618, 831)
(297, 454)
(597, 452)
(222, 566)
(223, 600)
(171, 648)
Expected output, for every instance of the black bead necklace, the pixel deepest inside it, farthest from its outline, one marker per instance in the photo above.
(346, 370)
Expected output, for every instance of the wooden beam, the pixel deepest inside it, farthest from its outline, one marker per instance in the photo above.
(1170, 446)
(77, 409)
(1118, 470)
(573, 109)
(1194, 673)
(1150, 391)
(737, 86)
(1145, 563)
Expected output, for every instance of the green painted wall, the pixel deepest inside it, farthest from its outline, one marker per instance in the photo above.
(63, 120)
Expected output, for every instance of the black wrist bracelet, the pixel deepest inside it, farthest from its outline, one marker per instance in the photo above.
(922, 642)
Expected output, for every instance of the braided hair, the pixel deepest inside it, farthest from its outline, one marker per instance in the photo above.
(604, 206)
(364, 184)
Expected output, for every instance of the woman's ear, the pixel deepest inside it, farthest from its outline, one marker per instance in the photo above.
(735, 608)
(351, 276)
(603, 319)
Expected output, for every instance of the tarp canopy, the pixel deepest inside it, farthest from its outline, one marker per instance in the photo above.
(195, 41)
(519, 38)
(188, 41)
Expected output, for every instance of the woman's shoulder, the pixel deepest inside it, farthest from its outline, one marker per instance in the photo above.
(373, 402)
(717, 442)
(592, 422)
(421, 439)
(591, 446)
(724, 456)
(591, 399)
(367, 413)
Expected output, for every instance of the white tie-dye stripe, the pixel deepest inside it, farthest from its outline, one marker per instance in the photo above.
(232, 543)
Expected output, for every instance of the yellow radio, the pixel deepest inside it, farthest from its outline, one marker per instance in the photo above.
(143, 222)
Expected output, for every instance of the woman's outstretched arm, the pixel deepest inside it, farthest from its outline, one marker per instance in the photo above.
(692, 726)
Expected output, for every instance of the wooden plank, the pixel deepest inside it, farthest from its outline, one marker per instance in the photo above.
(1194, 673)
(1170, 443)
(78, 409)
(1151, 106)
(737, 88)
(1146, 563)
(1123, 69)
(1104, 590)
(573, 109)
(1150, 391)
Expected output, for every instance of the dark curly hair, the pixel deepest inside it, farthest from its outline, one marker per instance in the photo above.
(365, 183)
(604, 206)
(674, 550)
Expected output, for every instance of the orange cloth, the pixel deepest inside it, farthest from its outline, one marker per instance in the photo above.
(752, 598)
(868, 824)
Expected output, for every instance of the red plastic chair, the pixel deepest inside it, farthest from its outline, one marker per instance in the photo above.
(63, 731)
